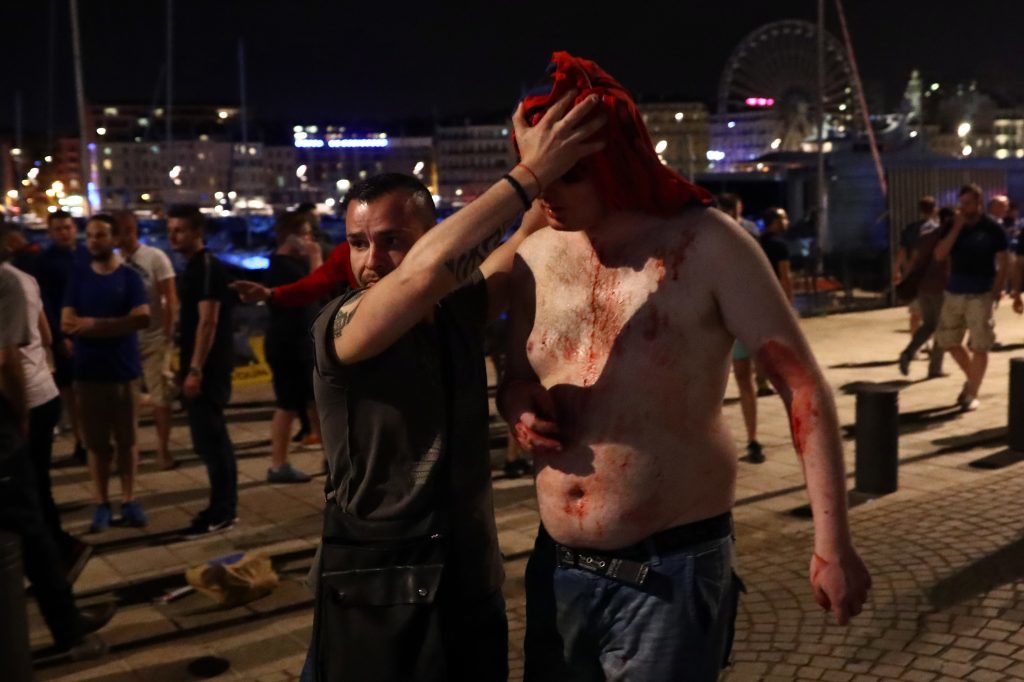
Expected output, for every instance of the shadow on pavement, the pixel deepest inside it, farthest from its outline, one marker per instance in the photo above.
(917, 421)
(865, 365)
(1005, 565)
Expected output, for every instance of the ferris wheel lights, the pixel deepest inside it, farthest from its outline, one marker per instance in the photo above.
(760, 101)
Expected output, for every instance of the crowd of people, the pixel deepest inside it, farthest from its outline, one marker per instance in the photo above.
(955, 265)
(606, 268)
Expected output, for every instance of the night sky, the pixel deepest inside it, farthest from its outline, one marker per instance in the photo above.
(343, 62)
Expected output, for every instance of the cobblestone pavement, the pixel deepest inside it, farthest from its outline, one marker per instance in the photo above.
(946, 551)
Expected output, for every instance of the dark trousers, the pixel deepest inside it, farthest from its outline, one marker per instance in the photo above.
(931, 307)
(20, 514)
(41, 422)
(212, 443)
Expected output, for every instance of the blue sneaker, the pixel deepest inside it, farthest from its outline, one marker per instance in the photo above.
(132, 514)
(100, 519)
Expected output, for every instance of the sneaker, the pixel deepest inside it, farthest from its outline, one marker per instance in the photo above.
(904, 363)
(202, 526)
(969, 403)
(286, 474)
(755, 455)
(132, 515)
(100, 519)
(92, 618)
(310, 441)
(88, 648)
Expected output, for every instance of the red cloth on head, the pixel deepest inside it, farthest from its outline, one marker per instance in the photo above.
(627, 171)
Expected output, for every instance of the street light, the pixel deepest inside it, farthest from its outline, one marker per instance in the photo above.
(963, 129)
(661, 146)
(966, 151)
(101, 131)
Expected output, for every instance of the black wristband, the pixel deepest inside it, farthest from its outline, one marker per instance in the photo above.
(523, 196)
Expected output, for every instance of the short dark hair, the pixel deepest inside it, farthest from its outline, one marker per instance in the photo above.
(971, 188)
(305, 207)
(124, 218)
(189, 213)
(56, 215)
(373, 188)
(728, 201)
(107, 219)
(771, 215)
(926, 204)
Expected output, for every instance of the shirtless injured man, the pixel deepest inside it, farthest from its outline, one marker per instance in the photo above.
(624, 312)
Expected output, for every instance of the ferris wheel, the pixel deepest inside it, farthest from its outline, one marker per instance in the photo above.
(775, 68)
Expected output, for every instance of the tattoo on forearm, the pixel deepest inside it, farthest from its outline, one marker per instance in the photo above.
(341, 319)
(463, 266)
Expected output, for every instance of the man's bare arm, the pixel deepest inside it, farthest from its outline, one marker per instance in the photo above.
(754, 308)
(523, 402)
(405, 296)
(104, 327)
(785, 274)
(999, 285)
(168, 295)
(945, 245)
(497, 269)
(209, 311)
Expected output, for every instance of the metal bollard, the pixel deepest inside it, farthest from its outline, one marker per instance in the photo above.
(877, 440)
(1016, 405)
(15, 654)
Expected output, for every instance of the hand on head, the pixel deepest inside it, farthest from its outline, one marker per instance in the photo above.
(560, 138)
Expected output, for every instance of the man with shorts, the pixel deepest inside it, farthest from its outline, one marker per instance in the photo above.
(53, 267)
(621, 323)
(976, 249)
(156, 342)
(104, 306)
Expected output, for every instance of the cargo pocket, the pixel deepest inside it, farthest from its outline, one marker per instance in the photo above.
(376, 611)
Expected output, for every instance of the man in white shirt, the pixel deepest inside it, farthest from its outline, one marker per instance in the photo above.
(44, 405)
(156, 341)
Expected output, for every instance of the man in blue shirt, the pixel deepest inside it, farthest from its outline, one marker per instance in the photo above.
(976, 247)
(52, 268)
(104, 306)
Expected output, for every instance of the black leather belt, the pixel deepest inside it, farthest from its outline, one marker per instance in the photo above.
(631, 564)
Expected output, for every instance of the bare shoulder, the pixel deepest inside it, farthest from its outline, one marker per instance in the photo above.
(713, 231)
(543, 246)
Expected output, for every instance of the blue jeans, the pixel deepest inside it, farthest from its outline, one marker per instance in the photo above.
(679, 625)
